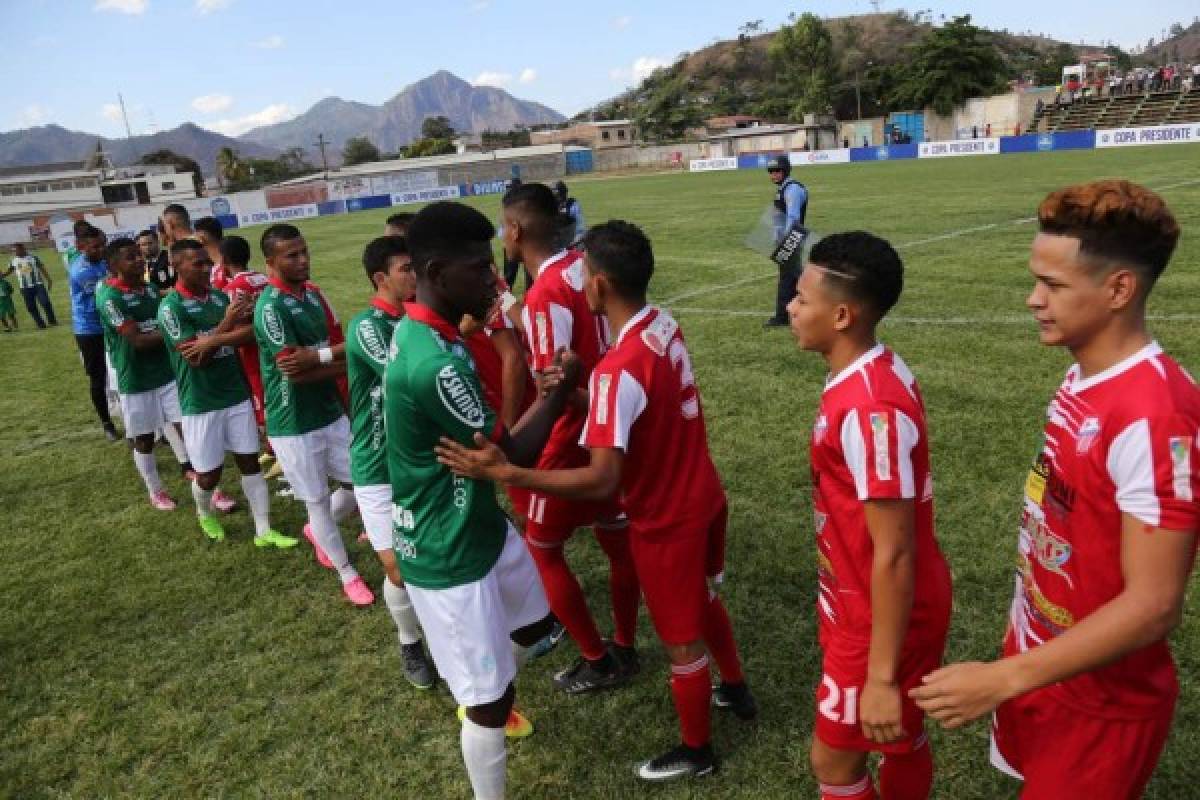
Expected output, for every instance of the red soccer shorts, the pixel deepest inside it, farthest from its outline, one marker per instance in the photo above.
(845, 673)
(1065, 754)
(673, 567)
(550, 520)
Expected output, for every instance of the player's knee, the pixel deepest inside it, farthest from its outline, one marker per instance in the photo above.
(494, 714)
(247, 463)
(681, 654)
(835, 767)
(144, 443)
(532, 634)
(208, 480)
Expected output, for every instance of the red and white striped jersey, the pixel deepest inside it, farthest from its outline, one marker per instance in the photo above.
(1123, 441)
(870, 443)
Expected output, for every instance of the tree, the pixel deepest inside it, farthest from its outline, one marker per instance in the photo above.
(802, 53)
(436, 128)
(230, 169)
(1176, 30)
(428, 147)
(359, 150)
(949, 65)
(181, 164)
(293, 161)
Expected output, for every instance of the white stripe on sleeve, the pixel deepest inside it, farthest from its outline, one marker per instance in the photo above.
(629, 405)
(1131, 467)
(907, 436)
(854, 448)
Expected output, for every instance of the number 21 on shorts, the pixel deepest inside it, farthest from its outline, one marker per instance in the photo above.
(838, 705)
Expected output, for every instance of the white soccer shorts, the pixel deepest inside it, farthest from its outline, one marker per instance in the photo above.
(467, 628)
(375, 507)
(310, 459)
(150, 411)
(210, 435)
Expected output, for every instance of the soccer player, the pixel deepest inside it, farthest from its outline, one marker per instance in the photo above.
(646, 435)
(201, 328)
(129, 312)
(884, 590)
(87, 271)
(397, 224)
(389, 269)
(557, 316)
(241, 281)
(470, 577)
(306, 420)
(1085, 692)
(210, 233)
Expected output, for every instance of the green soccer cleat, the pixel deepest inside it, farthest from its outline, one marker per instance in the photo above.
(273, 538)
(211, 527)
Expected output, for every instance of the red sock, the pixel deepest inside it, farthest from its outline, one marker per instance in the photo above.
(863, 790)
(622, 584)
(907, 776)
(691, 688)
(566, 599)
(718, 637)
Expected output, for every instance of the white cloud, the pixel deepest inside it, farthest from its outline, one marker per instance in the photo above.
(212, 103)
(272, 42)
(528, 75)
(621, 23)
(480, 5)
(209, 6)
(32, 115)
(121, 6)
(497, 79)
(111, 112)
(277, 112)
(641, 69)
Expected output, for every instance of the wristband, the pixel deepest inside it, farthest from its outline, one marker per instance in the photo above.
(325, 355)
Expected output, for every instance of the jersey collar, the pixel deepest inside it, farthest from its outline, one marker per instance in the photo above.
(283, 287)
(117, 283)
(550, 260)
(427, 316)
(183, 291)
(860, 362)
(386, 307)
(1079, 384)
(633, 321)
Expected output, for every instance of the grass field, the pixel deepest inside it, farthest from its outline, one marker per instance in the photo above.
(137, 659)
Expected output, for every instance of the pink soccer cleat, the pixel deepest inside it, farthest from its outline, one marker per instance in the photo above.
(223, 502)
(162, 501)
(322, 559)
(358, 593)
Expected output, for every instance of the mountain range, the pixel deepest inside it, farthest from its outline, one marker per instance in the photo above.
(389, 126)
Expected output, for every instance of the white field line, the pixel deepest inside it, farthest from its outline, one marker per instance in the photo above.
(982, 319)
(758, 276)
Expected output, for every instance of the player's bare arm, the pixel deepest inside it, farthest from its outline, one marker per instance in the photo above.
(235, 329)
(512, 376)
(891, 524)
(141, 340)
(297, 364)
(1155, 564)
(597, 481)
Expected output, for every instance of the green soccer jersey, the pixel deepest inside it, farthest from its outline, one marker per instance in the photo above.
(285, 321)
(367, 341)
(120, 307)
(219, 383)
(446, 530)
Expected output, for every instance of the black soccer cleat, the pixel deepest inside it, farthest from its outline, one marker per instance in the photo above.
(585, 676)
(735, 697)
(679, 762)
(416, 665)
(626, 658)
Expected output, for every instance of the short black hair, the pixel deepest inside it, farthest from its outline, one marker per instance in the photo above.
(861, 267)
(90, 232)
(179, 212)
(210, 225)
(235, 250)
(146, 232)
(378, 253)
(79, 226)
(116, 246)
(537, 208)
(622, 251)
(401, 219)
(177, 248)
(279, 232)
(441, 231)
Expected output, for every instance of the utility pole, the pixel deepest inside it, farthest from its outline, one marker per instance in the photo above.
(124, 116)
(321, 144)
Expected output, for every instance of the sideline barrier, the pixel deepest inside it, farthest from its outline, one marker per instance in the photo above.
(1184, 133)
(711, 164)
(959, 147)
(883, 152)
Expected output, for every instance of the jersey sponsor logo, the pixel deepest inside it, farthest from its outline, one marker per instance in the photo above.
(1051, 551)
(1088, 432)
(1181, 467)
(171, 323)
(459, 397)
(273, 325)
(403, 518)
(879, 432)
(820, 427)
(460, 492)
(372, 343)
(603, 384)
(114, 315)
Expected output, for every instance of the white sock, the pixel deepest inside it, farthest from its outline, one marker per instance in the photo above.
(148, 467)
(203, 498)
(401, 609)
(176, 441)
(326, 532)
(483, 753)
(342, 504)
(258, 496)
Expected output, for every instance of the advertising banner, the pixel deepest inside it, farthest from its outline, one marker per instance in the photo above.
(712, 164)
(1155, 134)
(400, 182)
(278, 214)
(426, 195)
(959, 147)
(805, 158)
(345, 188)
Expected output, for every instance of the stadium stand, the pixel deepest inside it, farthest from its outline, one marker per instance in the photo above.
(1123, 111)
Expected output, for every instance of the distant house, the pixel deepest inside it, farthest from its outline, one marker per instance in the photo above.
(721, 124)
(597, 135)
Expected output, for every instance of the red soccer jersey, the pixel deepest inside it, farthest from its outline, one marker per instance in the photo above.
(556, 315)
(870, 443)
(1120, 442)
(220, 277)
(643, 400)
(248, 283)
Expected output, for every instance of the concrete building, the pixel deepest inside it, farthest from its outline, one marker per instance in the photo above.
(597, 135)
(816, 133)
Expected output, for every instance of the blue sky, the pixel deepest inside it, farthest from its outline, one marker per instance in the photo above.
(232, 64)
